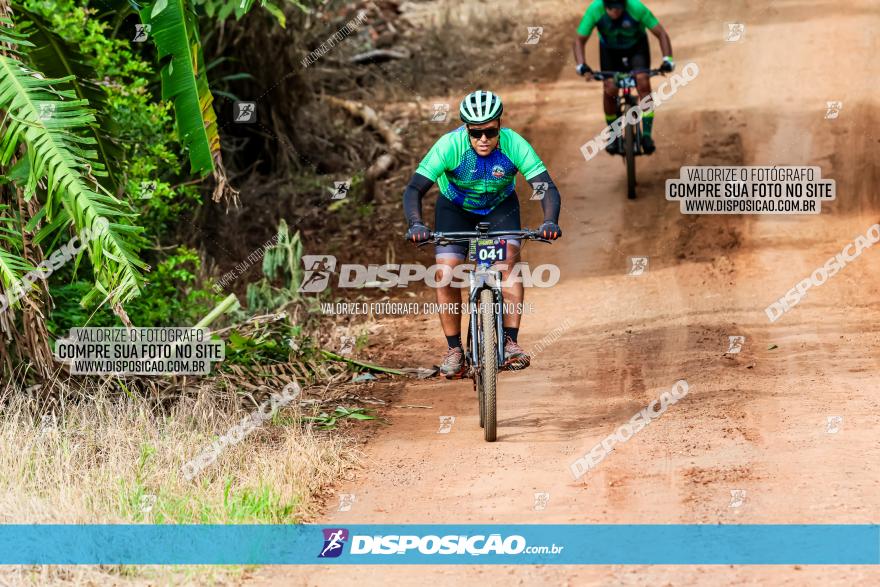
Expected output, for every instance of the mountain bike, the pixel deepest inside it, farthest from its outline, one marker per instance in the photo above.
(632, 133)
(485, 339)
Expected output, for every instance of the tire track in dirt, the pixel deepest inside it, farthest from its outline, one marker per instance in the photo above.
(754, 421)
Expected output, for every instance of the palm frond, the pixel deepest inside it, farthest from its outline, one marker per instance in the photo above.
(54, 57)
(12, 265)
(12, 38)
(46, 119)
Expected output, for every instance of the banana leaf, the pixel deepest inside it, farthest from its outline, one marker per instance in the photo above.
(49, 121)
(174, 30)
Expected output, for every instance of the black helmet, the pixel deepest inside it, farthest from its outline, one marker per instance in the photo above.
(614, 3)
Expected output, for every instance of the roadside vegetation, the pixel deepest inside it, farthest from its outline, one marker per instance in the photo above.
(118, 118)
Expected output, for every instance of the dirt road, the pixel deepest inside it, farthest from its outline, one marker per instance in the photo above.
(756, 421)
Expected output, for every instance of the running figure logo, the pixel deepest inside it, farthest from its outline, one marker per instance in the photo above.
(346, 500)
(638, 265)
(141, 32)
(446, 423)
(541, 501)
(539, 189)
(735, 344)
(441, 112)
(317, 276)
(147, 189)
(834, 424)
(735, 31)
(737, 498)
(832, 109)
(535, 33)
(245, 112)
(340, 190)
(334, 540)
(47, 110)
(347, 345)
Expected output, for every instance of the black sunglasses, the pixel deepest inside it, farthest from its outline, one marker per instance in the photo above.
(477, 133)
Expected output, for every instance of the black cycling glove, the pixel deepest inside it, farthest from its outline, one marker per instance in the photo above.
(550, 230)
(418, 233)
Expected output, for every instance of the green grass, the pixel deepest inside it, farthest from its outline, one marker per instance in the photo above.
(247, 505)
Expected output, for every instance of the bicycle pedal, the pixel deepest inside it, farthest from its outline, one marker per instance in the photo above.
(460, 375)
(515, 366)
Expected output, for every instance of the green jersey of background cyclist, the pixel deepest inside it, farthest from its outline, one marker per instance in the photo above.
(474, 167)
(623, 46)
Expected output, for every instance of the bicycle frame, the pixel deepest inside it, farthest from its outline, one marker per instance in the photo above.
(627, 94)
(484, 277)
(485, 280)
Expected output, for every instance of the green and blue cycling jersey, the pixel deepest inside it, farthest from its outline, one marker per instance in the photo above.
(479, 184)
(623, 33)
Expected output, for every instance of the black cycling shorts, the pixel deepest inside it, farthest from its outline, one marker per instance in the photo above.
(449, 217)
(639, 57)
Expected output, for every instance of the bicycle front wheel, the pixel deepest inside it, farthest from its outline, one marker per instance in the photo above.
(488, 362)
(629, 147)
(475, 375)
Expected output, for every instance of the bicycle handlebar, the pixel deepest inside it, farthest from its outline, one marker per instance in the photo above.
(603, 75)
(442, 238)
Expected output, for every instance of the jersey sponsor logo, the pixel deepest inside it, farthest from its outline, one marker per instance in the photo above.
(497, 171)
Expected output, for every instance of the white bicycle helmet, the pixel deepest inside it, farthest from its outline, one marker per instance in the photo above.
(479, 107)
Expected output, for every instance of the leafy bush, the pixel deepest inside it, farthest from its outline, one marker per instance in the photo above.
(174, 296)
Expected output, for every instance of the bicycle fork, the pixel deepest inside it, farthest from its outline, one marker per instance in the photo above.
(627, 101)
(480, 280)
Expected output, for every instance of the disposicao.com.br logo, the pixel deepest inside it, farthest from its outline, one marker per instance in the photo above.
(320, 268)
(476, 545)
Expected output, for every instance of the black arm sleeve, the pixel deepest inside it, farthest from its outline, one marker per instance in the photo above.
(552, 202)
(412, 198)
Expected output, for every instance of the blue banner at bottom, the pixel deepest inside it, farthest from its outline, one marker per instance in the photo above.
(361, 544)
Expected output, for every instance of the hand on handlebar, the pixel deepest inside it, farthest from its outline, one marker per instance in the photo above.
(583, 68)
(418, 233)
(549, 230)
(668, 65)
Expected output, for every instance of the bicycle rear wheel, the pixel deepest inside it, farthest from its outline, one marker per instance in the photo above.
(629, 146)
(488, 363)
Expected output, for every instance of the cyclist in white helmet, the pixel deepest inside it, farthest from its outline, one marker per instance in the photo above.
(474, 167)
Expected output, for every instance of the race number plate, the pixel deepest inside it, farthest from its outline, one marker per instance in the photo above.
(491, 250)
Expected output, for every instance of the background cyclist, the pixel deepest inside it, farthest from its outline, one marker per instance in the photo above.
(474, 167)
(621, 25)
